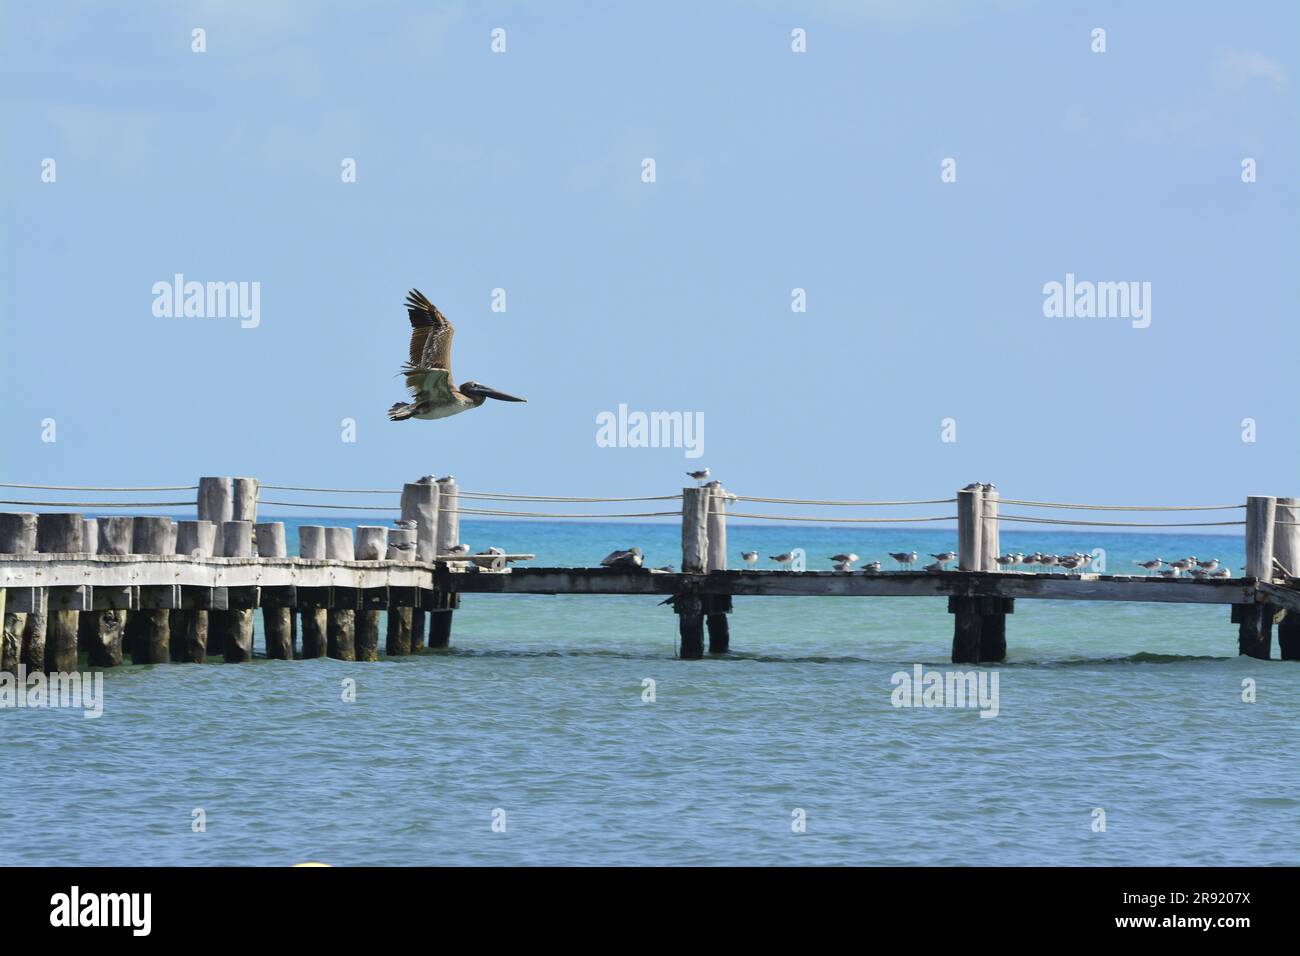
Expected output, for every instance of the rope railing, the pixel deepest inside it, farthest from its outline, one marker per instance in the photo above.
(101, 504)
(1113, 524)
(832, 503)
(740, 514)
(316, 504)
(538, 514)
(95, 488)
(1059, 504)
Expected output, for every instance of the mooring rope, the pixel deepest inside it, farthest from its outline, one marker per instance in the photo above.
(91, 488)
(536, 514)
(338, 491)
(819, 501)
(101, 504)
(1058, 504)
(502, 496)
(307, 504)
(738, 514)
(1114, 524)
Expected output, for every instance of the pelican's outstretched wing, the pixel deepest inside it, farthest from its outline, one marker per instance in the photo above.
(429, 384)
(431, 333)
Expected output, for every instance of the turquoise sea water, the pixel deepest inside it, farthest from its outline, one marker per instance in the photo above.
(537, 710)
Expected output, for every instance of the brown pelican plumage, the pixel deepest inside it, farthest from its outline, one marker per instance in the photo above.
(428, 372)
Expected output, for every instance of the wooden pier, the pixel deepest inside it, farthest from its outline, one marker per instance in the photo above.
(156, 590)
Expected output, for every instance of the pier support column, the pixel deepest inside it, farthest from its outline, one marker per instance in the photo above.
(1255, 630)
(60, 533)
(235, 625)
(717, 607)
(342, 630)
(402, 546)
(1286, 552)
(371, 545)
(277, 603)
(993, 628)
(194, 539)
(968, 628)
(1288, 637)
(312, 602)
(690, 625)
(17, 536)
(444, 603)
(448, 537)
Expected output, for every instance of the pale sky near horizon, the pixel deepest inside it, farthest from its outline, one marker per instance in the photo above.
(775, 170)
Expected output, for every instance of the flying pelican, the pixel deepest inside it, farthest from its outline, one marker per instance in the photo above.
(782, 559)
(904, 558)
(749, 557)
(699, 475)
(428, 373)
(628, 558)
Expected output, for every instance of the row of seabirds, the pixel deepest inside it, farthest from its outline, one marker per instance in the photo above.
(906, 561)
(846, 561)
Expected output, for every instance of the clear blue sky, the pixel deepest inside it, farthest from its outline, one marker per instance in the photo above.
(774, 171)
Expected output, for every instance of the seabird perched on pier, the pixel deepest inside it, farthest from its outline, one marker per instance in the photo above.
(847, 557)
(428, 372)
(1182, 564)
(843, 566)
(628, 558)
(407, 524)
(944, 558)
(1209, 565)
(782, 559)
(935, 568)
(1151, 565)
(1221, 573)
(667, 569)
(699, 476)
(1006, 561)
(749, 557)
(872, 567)
(904, 558)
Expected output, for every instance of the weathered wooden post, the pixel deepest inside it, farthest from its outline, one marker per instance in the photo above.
(717, 606)
(194, 540)
(990, 539)
(372, 545)
(86, 627)
(1286, 551)
(968, 610)
(106, 643)
(152, 639)
(342, 617)
(17, 536)
(60, 534)
(313, 602)
(695, 557)
(402, 546)
(445, 602)
(234, 626)
(277, 603)
(420, 504)
(970, 529)
(1255, 621)
(244, 493)
(216, 503)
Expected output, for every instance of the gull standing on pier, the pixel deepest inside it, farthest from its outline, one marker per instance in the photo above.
(905, 559)
(1151, 565)
(942, 559)
(848, 558)
(428, 372)
(872, 567)
(699, 476)
(749, 557)
(782, 559)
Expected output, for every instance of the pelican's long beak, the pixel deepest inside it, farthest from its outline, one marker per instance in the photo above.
(499, 396)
